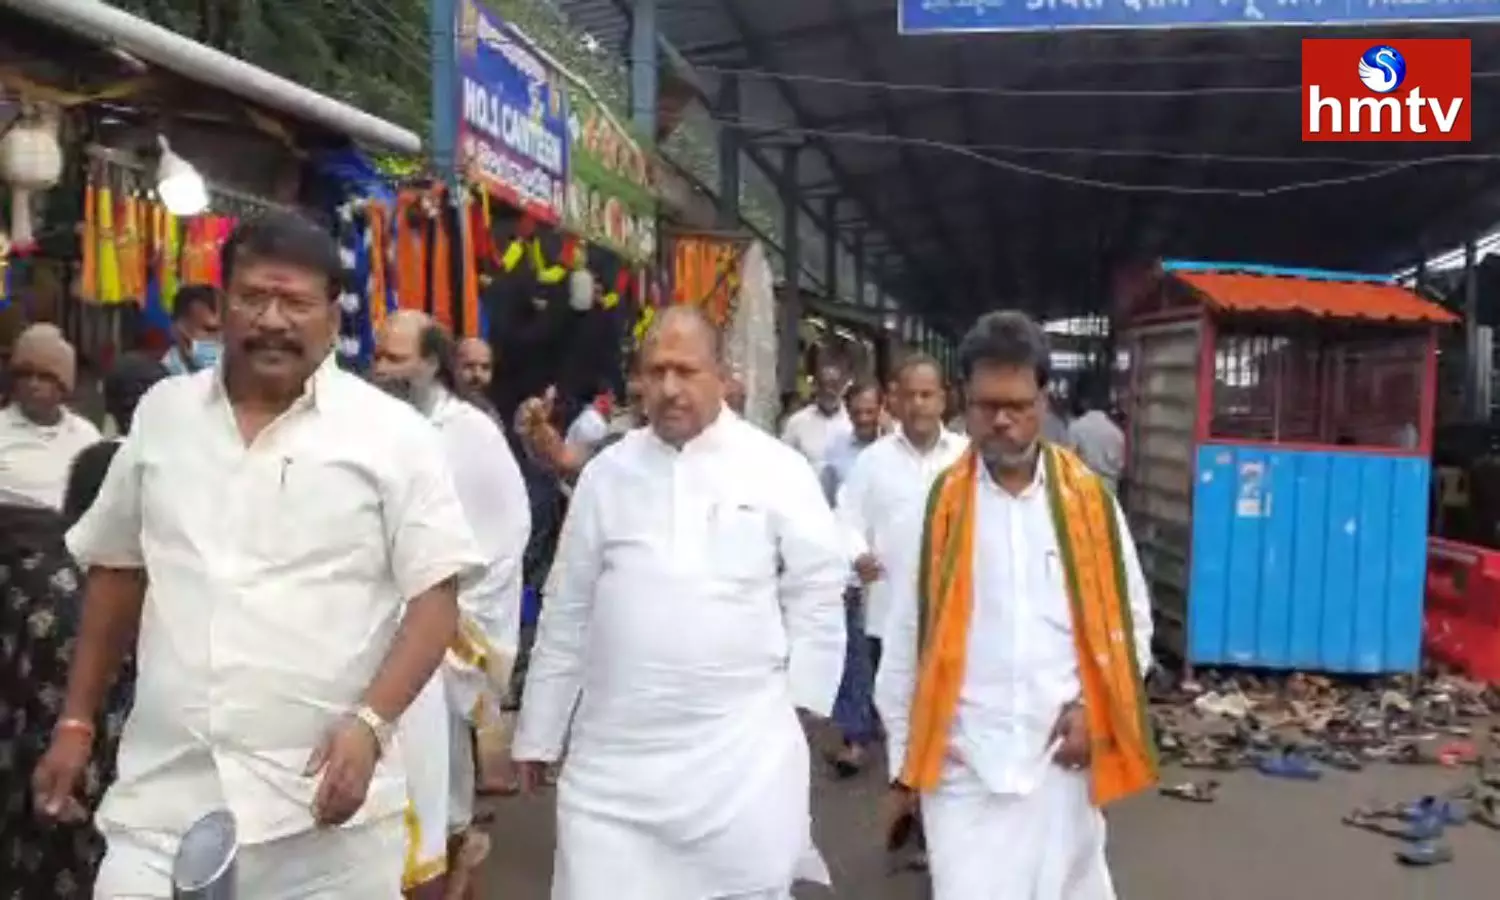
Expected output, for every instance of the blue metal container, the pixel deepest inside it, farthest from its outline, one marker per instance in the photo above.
(1307, 559)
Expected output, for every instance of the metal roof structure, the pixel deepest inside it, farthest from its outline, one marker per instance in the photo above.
(103, 25)
(1010, 168)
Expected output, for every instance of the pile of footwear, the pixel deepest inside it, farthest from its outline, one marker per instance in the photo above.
(1294, 726)
(1422, 824)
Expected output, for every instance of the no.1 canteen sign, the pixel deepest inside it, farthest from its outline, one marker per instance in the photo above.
(513, 117)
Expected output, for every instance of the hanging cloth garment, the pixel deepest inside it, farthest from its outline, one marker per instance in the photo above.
(132, 257)
(192, 251)
(441, 260)
(222, 228)
(88, 281)
(410, 230)
(377, 254)
(156, 314)
(473, 315)
(109, 259)
(171, 257)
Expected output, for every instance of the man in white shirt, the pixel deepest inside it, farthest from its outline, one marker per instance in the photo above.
(812, 429)
(694, 606)
(1012, 685)
(853, 711)
(415, 360)
(1095, 437)
(889, 482)
(39, 436)
(282, 545)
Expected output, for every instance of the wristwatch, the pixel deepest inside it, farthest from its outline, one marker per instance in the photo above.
(379, 727)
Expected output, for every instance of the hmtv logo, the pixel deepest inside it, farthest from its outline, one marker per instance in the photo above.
(1373, 90)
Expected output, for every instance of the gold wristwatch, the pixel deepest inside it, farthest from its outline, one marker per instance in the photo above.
(379, 727)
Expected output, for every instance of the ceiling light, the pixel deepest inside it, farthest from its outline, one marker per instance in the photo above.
(178, 183)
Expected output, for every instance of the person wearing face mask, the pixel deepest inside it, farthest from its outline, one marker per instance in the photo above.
(39, 435)
(416, 360)
(195, 330)
(1012, 685)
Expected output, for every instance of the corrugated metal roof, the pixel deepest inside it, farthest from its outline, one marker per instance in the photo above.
(1326, 299)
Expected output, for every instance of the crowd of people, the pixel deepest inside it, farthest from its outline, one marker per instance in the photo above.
(307, 597)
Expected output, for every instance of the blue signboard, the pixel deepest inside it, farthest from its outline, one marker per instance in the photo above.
(513, 116)
(949, 16)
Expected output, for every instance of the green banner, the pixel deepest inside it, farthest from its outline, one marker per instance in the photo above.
(611, 198)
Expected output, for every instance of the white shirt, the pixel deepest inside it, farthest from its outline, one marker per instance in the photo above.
(888, 485)
(1101, 444)
(278, 575)
(1021, 665)
(812, 432)
(696, 599)
(588, 429)
(493, 495)
(34, 459)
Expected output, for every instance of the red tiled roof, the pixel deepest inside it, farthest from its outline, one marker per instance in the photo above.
(1240, 292)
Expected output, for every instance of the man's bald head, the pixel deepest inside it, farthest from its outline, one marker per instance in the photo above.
(682, 374)
(689, 323)
(413, 355)
(476, 364)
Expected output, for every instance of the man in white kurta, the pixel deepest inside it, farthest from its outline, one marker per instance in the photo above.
(816, 427)
(1010, 819)
(417, 361)
(694, 607)
(282, 544)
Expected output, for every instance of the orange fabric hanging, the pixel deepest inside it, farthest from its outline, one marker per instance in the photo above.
(377, 228)
(470, 263)
(410, 238)
(442, 261)
(88, 285)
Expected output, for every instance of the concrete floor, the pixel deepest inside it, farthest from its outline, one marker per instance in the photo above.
(1263, 840)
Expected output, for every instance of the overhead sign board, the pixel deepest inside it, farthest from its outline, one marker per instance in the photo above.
(513, 117)
(950, 16)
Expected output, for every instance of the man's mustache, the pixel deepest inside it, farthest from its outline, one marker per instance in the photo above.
(275, 344)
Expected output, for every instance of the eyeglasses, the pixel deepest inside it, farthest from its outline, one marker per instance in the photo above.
(293, 306)
(1014, 407)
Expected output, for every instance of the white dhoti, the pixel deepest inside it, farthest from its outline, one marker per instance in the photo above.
(461, 774)
(734, 829)
(424, 737)
(1045, 845)
(356, 863)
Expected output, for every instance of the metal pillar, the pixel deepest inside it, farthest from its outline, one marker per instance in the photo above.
(727, 109)
(643, 86)
(788, 348)
(831, 248)
(859, 269)
(1478, 346)
(442, 24)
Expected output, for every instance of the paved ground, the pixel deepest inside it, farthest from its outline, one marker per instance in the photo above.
(1262, 840)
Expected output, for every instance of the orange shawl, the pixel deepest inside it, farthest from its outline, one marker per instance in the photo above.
(1088, 540)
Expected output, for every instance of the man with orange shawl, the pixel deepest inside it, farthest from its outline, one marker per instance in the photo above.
(1012, 689)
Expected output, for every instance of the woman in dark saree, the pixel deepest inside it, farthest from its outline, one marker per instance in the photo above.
(41, 601)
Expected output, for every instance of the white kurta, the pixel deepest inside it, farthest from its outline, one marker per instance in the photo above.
(278, 573)
(1006, 823)
(696, 601)
(811, 432)
(887, 485)
(493, 495)
(35, 459)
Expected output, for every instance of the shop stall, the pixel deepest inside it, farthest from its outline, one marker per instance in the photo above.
(1279, 436)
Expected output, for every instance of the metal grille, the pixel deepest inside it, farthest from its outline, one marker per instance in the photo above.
(1327, 386)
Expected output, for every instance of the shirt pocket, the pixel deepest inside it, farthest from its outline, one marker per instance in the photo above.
(741, 542)
(321, 511)
(1056, 606)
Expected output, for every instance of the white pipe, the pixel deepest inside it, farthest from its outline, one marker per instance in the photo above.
(97, 21)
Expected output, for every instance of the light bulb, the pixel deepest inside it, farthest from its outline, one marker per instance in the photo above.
(178, 183)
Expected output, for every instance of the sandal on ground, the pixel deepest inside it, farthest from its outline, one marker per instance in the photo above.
(1374, 823)
(1487, 812)
(1425, 853)
(1192, 792)
(1291, 766)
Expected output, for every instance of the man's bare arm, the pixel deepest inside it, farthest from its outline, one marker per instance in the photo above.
(429, 626)
(111, 619)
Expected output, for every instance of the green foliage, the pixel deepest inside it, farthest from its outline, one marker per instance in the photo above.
(374, 54)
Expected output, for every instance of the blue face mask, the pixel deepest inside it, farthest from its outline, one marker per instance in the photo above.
(205, 353)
